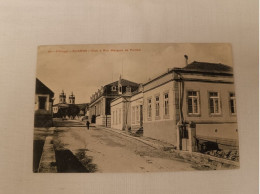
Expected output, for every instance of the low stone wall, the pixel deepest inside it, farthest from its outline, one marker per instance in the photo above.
(135, 128)
(43, 120)
(220, 132)
(205, 161)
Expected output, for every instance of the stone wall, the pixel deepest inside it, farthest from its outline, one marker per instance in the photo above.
(43, 120)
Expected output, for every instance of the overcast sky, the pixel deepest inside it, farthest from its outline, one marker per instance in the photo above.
(83, 69)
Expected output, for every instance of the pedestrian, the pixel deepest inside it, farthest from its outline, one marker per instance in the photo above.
(87, 124)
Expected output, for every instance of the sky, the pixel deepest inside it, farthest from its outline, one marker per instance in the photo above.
(83, 69)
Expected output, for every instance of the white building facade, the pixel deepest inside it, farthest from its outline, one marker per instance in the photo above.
(200, 93)
(160, 109)
(120, 113)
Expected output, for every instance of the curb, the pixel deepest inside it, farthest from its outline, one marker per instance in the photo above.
(48, 161)
(132, 137)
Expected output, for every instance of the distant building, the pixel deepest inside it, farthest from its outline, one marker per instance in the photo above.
(72, 98)
(137, 110)
(62, 98)
(43, 105)
(64, 109)
(62, 104)
(121, 112)
(126, 111)
(99, 107)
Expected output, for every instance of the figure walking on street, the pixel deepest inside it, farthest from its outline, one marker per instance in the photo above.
(88, 124)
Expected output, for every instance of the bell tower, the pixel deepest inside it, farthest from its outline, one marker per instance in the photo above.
(72, 98)
(62, 97)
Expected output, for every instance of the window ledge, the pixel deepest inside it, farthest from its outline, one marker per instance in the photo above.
(194, 115)
(215, 115)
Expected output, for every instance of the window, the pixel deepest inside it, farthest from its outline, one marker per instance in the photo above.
(133, 114)
(128, 89)
(157, 106)
(120, 89)
(166, 104)
(137, 114)
(232, 99)
(193, 102)
(214, 103)
(113, 88)
(42, 102)
(149, 108)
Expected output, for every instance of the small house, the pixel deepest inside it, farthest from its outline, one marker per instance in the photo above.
(43, 105)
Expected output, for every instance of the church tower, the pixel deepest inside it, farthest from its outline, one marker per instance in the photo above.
(62, 97)
(72, 98)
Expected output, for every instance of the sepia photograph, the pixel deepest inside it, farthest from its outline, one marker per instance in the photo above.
(135, 108)
(129, 97)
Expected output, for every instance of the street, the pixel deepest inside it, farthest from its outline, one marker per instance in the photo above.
(78, 149)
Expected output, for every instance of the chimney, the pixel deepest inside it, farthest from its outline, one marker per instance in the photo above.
(186, 59)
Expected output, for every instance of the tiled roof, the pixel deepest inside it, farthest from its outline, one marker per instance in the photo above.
(41, 88)
(124, 82)
(195, 66)
(204, 66)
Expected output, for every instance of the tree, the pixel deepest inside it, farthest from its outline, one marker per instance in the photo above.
(62, 112)
(73, 111)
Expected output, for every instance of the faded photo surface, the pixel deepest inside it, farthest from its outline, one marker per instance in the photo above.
(135, 108)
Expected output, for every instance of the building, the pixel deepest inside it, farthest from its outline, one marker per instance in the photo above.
(121, 113)
(99, 107)
(137, 110)
(43, 105)
(126, 111)
(62, 98)
(61, 105)
(70, 109)
(200, 93)
(72, 98)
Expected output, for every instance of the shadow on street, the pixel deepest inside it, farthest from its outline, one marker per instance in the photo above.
(67, 162)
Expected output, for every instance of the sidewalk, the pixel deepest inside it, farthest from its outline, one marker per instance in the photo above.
(157, 144)
(202, 160)
(47, 162)
(146, 140)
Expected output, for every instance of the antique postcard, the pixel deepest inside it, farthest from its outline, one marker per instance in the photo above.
(135, 108)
